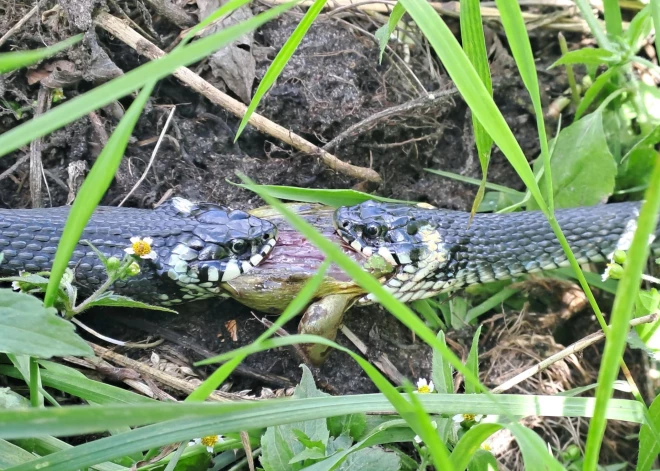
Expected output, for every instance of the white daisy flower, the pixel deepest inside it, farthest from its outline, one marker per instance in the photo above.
(209, 442)
(424, 387)
(141, 248)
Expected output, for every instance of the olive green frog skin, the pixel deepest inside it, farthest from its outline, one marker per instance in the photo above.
(272, 285)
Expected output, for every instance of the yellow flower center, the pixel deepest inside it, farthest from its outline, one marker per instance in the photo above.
(425, 389)
(141, 248)
(469, 417)
(486, 447)
(211, 440)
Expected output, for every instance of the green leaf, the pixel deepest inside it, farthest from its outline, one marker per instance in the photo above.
(583, 167)
(429, 314)
(473, 363)
(15, 60)
(442, 372)
(649, 448)
(594, 25)
(655, 13)
(482, 460)
(12, 455)
(111, 299)
(282, 448)
(593, 91)
(470, 442)
(280, 61)
(474, 45)
(28, 328)
(588, 56)
(353, 425)
(371, 459)
(613, 21)
(474, 181)
(334, 198)
(384, 33)
(534, 451)
(639, 29)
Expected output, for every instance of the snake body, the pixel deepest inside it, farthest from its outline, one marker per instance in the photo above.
(435, 250)
(197, 247)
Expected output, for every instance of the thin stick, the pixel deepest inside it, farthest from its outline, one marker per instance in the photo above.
(153, 156)
(18, 25)
(570, 350)
(120, 30)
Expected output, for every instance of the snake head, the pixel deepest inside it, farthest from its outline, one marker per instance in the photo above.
(222, 245)
(390, 230)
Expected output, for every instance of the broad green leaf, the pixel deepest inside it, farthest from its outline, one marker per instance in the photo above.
(482, 460)
(384, 33)
(334, 198)
(371, 459)
(129, 82)
(620, 318)
(442, 372)
(281, 447)
(353, 425)
(473, 362)
(583, 167)
(29, 328)
(116, 300)
(15, 60)
(649, 448)
(588, 56)
(280, 61)
(429, 314)
(12, 455)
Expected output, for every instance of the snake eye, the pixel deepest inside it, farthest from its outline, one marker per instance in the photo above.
(238, 246)
(372, 229)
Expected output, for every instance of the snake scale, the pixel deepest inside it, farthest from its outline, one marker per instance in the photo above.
(200, 247)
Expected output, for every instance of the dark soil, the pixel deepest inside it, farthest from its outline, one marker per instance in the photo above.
(332, 82)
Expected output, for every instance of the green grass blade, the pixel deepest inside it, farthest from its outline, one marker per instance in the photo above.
(280, 61)
(384, 33)
(655, 13)
(474, 181)
(621, 314)
(516, 33)
(93, 189)
(470, 443)
(225, 9)
(490, 303)
(593, 91)
(649, 448)
(472, 89)
(333, 198)
(594, 25)
(441, 370)
(474, 44)
(472, 362)
(129, 82)
(613, 20)
(295, 307)
(15, 60)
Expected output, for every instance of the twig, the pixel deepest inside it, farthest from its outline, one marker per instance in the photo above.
(120, 30)
(153, 156)
(160, 376)
(13, 168)
(421, 102)
(36, 165)
(119, 343)
(172, 12)
(19, 24)
(383, 363)
(570, 350)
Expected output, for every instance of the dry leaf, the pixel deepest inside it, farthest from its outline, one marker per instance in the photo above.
(232, 329)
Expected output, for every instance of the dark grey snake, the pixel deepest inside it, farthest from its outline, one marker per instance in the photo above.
(196, 246)
(434, 250)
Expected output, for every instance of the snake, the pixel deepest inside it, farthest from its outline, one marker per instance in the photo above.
(438, 250)
(195, 247)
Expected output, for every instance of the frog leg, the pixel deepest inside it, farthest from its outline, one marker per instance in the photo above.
(323, 318)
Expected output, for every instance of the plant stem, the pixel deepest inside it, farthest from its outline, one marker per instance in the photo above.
(35, 396)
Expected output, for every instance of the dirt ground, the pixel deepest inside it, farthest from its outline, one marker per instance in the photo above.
(334, 81)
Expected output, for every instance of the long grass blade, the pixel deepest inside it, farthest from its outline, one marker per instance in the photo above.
(621, 313)
(280, 61)
(15, 60)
